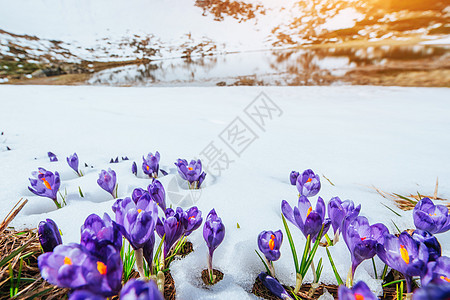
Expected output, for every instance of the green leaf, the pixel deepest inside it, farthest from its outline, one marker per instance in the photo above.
(319, 270)
(393, 282)
(333, 266)
(391, 209)
(404, 198)
(265, 265)
(238, 226)
(396, 227)
(305, 254)
(312, 253)
(291, 243)
(384, 272)
(81, 193)
(374, 268)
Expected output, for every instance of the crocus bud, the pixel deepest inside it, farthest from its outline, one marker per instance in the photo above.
(49, 235)
(293, 177)
(52, 156)
(134, 168)
(72, 160)
(274, 286)
(157, 193)
(107, 181)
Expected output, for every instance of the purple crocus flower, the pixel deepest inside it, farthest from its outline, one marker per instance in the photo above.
(433, 291)
(107, 181)
(437, 271)
(157, 193)
(269, 243)
(362, 239)
(98, 233)
(72, 160)
(45, 184)
(172, 226)
(338, 209)
(405, 255)
(293, 177)
(193, 219)
(136, 220)
(52, 156)
(139, 289)
(430, 217)
(434, 248)
(137, 193)
(359, 291)
(134, 168)
(150, 165)
(308, 183)
(192, 172)
(213, 233)
(274, 286)
(72, 266)
(85, 295)
(49, 235)
(309, 221)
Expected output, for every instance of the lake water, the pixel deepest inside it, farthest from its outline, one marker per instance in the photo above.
(322, 66)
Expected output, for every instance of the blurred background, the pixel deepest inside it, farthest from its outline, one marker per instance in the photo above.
(225, 42)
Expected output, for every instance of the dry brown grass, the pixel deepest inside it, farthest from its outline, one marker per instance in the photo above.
(408, 202)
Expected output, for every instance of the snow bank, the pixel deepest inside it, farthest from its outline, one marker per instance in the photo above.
(393, 138)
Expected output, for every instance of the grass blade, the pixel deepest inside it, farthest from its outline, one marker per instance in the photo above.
(265, 265)
(291, 243)
(6, 260)
(333, 266)
(391, 209)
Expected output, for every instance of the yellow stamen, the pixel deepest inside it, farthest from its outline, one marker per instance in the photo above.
(67, 261)
(404, 253)
(445, 278)
(101, 267)
(148, 168)
(139, 210)
(272, 242)
(309, 211)
(309, 180)
(431, 215)
(363, 238)
(190, 169)
(359, 297)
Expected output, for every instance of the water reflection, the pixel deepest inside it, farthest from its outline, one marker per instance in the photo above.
(322, 66)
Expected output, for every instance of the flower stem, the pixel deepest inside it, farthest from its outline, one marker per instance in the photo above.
(408, 284)
(298, 283)
(58, 206)
(271, 268)
(139, 254)
(160, 281)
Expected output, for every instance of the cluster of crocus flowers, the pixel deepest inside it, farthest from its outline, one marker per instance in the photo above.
(308, 183)
(150, 164)
(93, 267)
(269, 244)
(107, 180)
(45, 184)
(49, 235)
(213, 233)
(430, 217)
(72, 161)
(362, 240)
(191, 172)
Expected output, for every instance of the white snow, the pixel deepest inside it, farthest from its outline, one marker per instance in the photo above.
(390, 137)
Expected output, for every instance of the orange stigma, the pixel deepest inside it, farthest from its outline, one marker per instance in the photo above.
(139, 210)
(47, 185)
(445, 278)
(272, 242)
(67, 261)
(404, 253)
(191, 217)
(359, 297)
(309, 180)
(101, 267)
(309, 211)
(148, 168)
(190, 169)
(363, 238)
